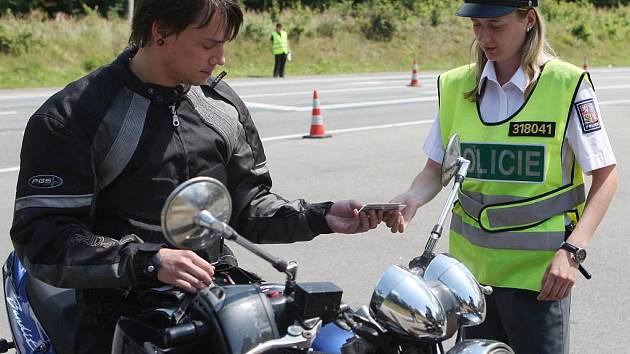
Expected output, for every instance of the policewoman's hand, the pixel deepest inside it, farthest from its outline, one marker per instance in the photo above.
(397, 220)
(343, 217)
(559, 277)
(184, 269)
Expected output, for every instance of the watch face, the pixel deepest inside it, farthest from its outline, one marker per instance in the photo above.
(580, 255)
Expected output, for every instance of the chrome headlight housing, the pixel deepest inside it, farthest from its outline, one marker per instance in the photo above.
(468, 301)
(403, 303)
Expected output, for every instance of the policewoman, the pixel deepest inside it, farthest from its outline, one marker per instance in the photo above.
(531, 127)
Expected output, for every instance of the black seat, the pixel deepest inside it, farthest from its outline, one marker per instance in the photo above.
(56, 309)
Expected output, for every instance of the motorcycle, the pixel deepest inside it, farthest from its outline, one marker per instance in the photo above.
(412, 310)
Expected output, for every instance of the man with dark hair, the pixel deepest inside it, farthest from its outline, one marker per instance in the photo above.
(100, 157)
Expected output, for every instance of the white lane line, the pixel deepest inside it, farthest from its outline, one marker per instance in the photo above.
(326, 91)
(613, 102)
(9, 169)
(341, 105)
(612, 87)
(374, 103)
(274, 107)
(27, 95)
(270, 82)
(295, 93)
(352, 130)
(7, 113)
(293, 136)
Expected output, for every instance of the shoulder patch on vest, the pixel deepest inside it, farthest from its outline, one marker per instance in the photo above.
(587, 113)
(539, 129)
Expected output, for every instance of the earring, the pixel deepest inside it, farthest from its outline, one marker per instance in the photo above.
(160, 41)
(528, 29)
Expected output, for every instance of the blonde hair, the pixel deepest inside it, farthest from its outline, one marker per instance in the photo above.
(534, 50)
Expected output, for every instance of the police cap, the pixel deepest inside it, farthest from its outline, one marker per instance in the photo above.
(492, 8)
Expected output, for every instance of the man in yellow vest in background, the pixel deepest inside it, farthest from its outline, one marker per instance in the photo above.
(280, 49)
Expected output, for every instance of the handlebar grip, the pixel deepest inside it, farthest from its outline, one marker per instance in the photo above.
(176, 335)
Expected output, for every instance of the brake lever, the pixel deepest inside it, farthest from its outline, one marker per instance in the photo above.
(297, 337)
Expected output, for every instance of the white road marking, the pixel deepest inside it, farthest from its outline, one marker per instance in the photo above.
(27, 96)
(275, 107)
(611, 87)
(326, 91)
(9, 169)
(293, 136)
(613, 102)
(278, 82)
(7, 113)
(351, 130)
(343, 81)
(341, 105)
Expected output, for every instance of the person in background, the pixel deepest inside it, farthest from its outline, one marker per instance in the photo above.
(531, 127)
(280, 50)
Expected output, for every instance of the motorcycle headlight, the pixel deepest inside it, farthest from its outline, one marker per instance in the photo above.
(468, 301)
(403, 303)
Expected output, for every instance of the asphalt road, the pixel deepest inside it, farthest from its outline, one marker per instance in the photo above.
(378, 126)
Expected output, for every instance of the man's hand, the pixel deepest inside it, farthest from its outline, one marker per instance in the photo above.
(184, 269)
(559, 277)
(344, 218)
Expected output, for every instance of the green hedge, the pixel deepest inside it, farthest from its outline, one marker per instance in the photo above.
(118, 6)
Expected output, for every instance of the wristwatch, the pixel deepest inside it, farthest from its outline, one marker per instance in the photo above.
(578, 253)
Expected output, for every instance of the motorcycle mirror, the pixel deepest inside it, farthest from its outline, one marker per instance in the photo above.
(450, 163)
(183, 206)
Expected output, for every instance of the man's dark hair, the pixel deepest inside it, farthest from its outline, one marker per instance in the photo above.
(175, 16)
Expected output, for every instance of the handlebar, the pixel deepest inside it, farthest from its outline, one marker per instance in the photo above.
(183, 333)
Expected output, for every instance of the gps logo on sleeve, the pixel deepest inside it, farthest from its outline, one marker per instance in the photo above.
(45, 181)
(588, 116)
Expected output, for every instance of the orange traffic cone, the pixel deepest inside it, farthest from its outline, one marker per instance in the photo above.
(585, 65)
(415, 81)
(317, 122)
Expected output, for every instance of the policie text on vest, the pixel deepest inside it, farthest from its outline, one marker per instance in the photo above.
(505, 162)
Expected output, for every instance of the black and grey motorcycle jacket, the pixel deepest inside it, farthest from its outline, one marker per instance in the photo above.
(100, 157)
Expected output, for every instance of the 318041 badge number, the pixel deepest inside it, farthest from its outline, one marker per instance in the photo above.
(540, 129)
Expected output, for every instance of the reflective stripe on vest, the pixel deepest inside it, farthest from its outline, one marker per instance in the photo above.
(280, 42)
(510, 212)
(514, 240)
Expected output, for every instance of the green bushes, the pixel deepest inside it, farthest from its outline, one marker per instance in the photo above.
(16, 41)
(349, 36)
(581, 32)
(379, 27)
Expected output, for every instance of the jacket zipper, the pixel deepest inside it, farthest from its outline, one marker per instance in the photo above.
(175, 116)
(176, 123)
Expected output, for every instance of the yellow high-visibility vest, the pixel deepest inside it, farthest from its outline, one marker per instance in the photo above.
(280, 43)
(515, 203)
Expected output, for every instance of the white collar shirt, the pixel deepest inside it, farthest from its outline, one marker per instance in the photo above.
(498, 102)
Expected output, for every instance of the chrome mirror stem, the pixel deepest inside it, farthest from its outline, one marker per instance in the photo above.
(207, 220)
(423, 261)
